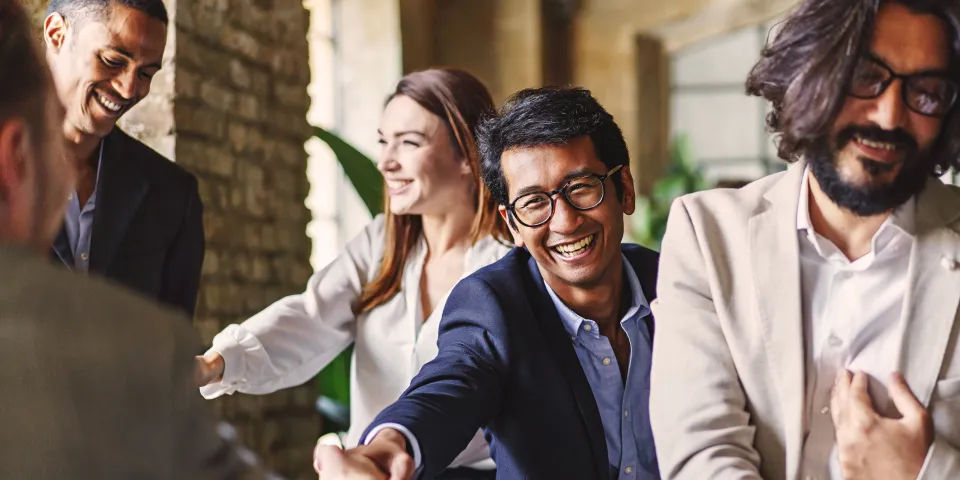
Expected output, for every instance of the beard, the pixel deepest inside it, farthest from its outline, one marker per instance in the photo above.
(869, 199)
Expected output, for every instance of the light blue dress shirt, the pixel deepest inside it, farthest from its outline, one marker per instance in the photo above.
(78, 223)
(624, 406)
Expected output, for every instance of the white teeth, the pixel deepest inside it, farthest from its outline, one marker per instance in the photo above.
(576, 248)
(113, 107)
(398, 183)
(878, 145)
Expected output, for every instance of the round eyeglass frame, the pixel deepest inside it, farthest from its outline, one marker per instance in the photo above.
(511, 207)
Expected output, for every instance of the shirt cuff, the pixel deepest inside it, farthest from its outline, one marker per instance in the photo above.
(411, 439)
(231, 344)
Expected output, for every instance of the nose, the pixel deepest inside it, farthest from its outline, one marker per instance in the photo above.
(125, 84)
(566, 219)
(387, 161)
(889, 111)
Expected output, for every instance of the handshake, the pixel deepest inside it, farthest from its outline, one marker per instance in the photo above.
(385, 458)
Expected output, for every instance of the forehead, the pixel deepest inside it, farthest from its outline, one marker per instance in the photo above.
(128, 29)
(547, 166)
(404, 114)
(909, 41)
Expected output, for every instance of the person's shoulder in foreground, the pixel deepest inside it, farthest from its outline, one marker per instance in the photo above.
(80, 397)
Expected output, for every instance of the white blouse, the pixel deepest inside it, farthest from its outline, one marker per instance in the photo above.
(290, 341)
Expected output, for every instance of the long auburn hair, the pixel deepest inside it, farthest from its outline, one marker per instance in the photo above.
(804, 72)
(461, 101)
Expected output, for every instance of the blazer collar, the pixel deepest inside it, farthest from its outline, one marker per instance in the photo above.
(122, 187)
(775, 263)
(558, 341)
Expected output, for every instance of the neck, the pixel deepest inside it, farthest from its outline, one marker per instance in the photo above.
(449, 230)
(602, 302)
(851, 233)
(82, 148)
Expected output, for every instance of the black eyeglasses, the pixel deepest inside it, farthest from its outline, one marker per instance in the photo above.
(927, 93)
(582, 193)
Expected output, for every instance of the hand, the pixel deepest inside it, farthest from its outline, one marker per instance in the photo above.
(384, 458)
(871, 446)
(209, 369)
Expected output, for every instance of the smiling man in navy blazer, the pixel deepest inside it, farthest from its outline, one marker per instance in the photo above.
(549, 348)
(135, 217)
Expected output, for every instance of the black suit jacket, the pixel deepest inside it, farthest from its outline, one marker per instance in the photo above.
(506, 363)
(147, 226)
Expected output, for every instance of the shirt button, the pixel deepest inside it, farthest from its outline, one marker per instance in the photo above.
(84, 256)
(626, 413)
(825, 410)
(628, 469)
(70, 197)
(606, 361)
(834, 341)
(587, 327)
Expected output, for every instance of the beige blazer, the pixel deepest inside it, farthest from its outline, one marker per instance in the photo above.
(97, 383)
(727, 381)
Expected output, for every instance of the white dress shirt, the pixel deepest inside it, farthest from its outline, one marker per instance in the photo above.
(289, 342)
(853, 318)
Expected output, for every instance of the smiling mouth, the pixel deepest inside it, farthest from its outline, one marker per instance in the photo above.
(397, 184)
(886, 146)
(107, 104)
(574, 249)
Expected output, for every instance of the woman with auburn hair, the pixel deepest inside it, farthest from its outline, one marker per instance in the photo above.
(385, 292)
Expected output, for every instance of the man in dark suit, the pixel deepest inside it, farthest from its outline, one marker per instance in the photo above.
(549, 348)
(134, 216)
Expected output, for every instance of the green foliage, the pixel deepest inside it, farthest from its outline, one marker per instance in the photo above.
(360, 169)
(334, 381)
(682, 176)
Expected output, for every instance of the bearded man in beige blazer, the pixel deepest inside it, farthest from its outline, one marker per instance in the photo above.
(807, 322)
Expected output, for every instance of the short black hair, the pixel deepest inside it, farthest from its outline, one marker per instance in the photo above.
(547, 116)
(83, 10)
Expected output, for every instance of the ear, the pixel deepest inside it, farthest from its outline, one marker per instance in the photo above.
(629, 199)
(14, 149)
(512, 225)
(55, 32)
(464, 166)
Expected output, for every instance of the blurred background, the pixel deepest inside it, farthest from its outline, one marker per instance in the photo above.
(274, 104)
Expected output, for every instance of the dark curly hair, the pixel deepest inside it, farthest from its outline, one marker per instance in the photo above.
(805, 70)
(547, 116)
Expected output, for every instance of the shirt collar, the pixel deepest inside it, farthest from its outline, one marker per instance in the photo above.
(639, 307)
(902, 220)
(96, 181)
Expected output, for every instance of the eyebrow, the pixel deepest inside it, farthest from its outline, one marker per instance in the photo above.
(930, 71)
(404, 132)
(580, 172)
(131, 57)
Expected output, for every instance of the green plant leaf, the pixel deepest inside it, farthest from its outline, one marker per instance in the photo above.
(360, 169)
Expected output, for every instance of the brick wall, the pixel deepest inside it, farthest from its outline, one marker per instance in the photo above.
(240, 120)
(230, 105)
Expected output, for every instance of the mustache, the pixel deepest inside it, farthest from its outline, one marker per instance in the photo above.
(898, 137)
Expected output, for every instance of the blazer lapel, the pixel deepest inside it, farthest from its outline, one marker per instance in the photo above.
(775, 263)
(120, 189)
(559, 344)
(934, 291)
(61, 248)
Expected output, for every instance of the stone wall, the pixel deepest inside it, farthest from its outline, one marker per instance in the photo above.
(231, 107)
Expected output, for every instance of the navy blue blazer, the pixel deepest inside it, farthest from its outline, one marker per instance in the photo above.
(506, 364)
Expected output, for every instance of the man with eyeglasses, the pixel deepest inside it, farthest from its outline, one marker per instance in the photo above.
(808, 321)
(548, 349)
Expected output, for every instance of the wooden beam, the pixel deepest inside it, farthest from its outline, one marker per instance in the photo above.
(650, 145)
